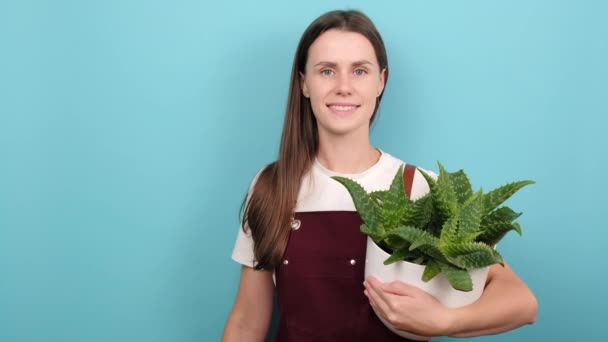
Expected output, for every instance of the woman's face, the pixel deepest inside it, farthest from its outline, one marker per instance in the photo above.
(342, 81)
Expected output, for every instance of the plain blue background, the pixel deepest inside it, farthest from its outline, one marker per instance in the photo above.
(130, 130)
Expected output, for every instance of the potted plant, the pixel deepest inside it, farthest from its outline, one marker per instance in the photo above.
(442, 242)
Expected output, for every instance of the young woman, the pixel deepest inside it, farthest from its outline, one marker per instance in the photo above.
(301, 236)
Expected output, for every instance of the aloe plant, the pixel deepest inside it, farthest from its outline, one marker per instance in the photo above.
(450, 230)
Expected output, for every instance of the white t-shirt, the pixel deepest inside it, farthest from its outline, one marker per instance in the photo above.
(319, 192)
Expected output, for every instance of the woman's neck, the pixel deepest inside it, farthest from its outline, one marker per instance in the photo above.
(348, 157)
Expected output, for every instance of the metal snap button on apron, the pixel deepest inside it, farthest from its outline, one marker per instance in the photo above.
(285, 262)
(295, 224)
(353, 262)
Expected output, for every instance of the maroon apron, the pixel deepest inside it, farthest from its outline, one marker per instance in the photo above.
(320, 282)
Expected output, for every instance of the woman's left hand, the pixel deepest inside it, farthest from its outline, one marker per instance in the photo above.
(408, 308)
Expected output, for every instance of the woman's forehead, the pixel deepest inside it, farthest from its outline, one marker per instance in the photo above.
(341, 47)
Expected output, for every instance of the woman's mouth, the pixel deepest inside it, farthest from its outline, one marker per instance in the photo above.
(342, 108)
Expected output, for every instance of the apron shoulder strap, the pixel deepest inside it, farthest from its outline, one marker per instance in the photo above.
(408, 179)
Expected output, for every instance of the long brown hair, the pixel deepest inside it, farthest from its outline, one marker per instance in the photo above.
(271, 204)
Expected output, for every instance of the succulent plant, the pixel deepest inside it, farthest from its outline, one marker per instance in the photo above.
(450, 230)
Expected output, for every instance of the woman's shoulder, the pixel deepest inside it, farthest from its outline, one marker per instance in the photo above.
(396, 162)
(270, 167)
(420, 186)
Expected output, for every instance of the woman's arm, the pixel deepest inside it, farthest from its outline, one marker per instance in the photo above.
(250, 316)
(506, 303)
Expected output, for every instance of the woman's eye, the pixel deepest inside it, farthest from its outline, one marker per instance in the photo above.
(326, 72)
(360, 72)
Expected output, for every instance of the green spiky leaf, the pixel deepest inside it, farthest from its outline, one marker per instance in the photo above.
(494, 232)
(462, 186)
(496, 197)
(470, 218)
(395, 199)
(500, 215)
(418, 261)
(459, 279)
(472, 255)
(367, 208)
(449, 230)
(376, 233)
(431, 270)
(419, 213)
(445, 198)
(415, 236)
(379, 196)
(440, 191)
(418, 239)
(398, 255)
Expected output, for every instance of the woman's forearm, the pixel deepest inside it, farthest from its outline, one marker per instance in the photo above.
(251, 313)
(236, 330)
(506, 303)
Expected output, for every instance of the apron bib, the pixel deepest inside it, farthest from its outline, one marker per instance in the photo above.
(320, 282)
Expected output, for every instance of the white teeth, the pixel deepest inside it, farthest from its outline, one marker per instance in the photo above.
(343, 108)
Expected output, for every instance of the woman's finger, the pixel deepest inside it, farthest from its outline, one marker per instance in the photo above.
(377, 286)
(376, 295)
(371, 300)
(400, 288)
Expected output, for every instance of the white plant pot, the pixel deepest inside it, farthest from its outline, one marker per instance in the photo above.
(411, 273)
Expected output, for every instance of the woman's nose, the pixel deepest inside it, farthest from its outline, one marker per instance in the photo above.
(344, 84)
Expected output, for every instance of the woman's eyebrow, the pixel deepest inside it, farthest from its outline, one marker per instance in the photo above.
(362, 62)
(333, 64)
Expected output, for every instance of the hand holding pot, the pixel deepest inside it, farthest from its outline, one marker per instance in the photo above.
(408, 308)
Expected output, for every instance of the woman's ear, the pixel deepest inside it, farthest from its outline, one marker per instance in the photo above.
(303, 86)
(382, 81)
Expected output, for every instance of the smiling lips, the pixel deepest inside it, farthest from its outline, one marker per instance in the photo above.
(342, 108)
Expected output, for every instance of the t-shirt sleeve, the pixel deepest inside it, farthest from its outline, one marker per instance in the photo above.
(243, 247)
